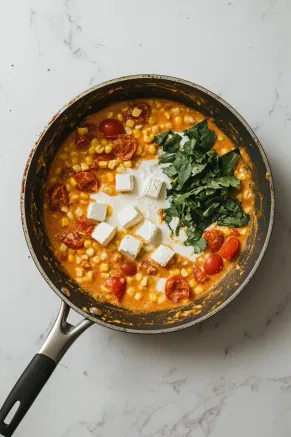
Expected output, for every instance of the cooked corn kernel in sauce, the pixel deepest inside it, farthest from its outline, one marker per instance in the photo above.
(113, 143)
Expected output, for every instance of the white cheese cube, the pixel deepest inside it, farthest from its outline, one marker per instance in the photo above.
(97, 211)
(124, 182)
(162, 255)
(148, 230)
(129, 216)
(130, 246)
(161, 285)
(103, 233)
(153, 188)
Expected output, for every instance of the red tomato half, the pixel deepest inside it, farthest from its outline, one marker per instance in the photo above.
(230, 248)
(128, 268)
(214, 239)
(84, 226)
(213, 264)
(117, 286)
(177, 288)
(87, 182)
(58, 197)
(125, 146)
(199, 275)
(73, 240)
(111, 128)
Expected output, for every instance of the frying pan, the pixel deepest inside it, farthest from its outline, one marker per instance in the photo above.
(63, 334)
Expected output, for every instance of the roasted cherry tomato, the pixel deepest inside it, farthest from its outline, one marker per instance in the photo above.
(177, 288)
(199, 275)
(87, 182)
(111, 128)
(140, 114)
(230, 248)
(58, 197)
(117, 286)
(213, 264)
(214, 239)
(125, 146)
(82, 142)
(85, 226)
(128, 268)
(148, 268)
(73, 240)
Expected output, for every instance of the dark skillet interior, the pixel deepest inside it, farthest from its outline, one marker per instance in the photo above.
(66, 121)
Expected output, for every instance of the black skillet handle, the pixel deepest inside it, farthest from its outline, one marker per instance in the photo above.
(39, 370)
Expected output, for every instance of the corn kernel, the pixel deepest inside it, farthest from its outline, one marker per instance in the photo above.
(70, 215)
(136, 112)
(78, 260)
(80, 280)
(99, 149)
(148, 138)
(65, 222)
(138, 276)
(108, 149)
(96, 259)
(152, 149)
(125, 108)
(74, 197)
(89, 276)
(64, 156)
(79, 212)
(79, 272)
(71, 251)
(175, 272)
(138, 296)
(175, 111)
(71, 258)
(136, 133)
(73, 182)
(95, 245)
(153, 297)
(168, 125)
(152, 119)
(58, 171)
(128, 130)
(53, 180)
(85, 256)
(107, 190)
(155, 129)
(66, 149)
(110, 115)
(129, 123)
(80, 251)
(104, 275)
(130, 291)
(82, 130)
(158, 105)
(104, 267)
(103, 256)
(92, 150)
(227, 232)
(247, 209)
(90, 251)
(199, 289)
(127, 164)
(188, 119)
(103, 164)
(87, 244)
(144, 281)
(184, 273)
(139, 150)
(112, 164)
(104, 142)
(161, 299)
(129, 280)
(192, 284)
(178, 121)
(120, 117)
(110, 177)
(89, 160)
(167, 115)
(65, 209)
(84, 166)
(84, 202)
(75, 160)
(77, 168)
(84, 195)
(243, 231)
(104, 289)
(248, 195)
(94, 142)
(63, 247)
(120, 169)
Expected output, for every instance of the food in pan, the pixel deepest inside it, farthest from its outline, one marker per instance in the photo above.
(148, 204)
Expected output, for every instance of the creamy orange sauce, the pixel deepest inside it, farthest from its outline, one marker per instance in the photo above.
(99, 263)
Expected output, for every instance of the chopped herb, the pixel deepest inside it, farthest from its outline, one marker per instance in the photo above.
(202, 184)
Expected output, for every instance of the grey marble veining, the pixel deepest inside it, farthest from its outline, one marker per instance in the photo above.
(232, 374)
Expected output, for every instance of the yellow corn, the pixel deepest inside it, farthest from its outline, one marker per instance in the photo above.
(110, 115)
(94, 142)
(120, 117)
(103, 164)
(96, 259)
(152, 149)
(107, 190)
(103, 256)
(129, 123)
(199, 289)
(138, 276)
(184, 273)
(104, 289)
(99, 149)
(188, 119)
(71, 251)
(192, 284)
(79, 212)
(82, 130)
(63, 247)
(130, 291)
(92, 150)
(77, 168)
(167, 115)
(84, 166)
(136, 133)
(75, 160)
(89, 160)
(78, 260)
(175, 111)
(58, 171)
(70, 215)
(71, 258)
(136, 111)
(178, 121)
(153, 297)
(128, 130)
(74, 197)
(148, 138)
(138, 296)
(161, 299)
(84, 202)
(89, 276)
(64, 156)
(104, 267)
(104, 275)
(84, 195)
(110, 177)
(155, 129)
(175, 272)
(124, 109)
(104, 142)
(144, 281)
(168, 125)
(65, 222)
(79, 272)
(73, 182)
(112, 164)
(127, 164)
(120, 169)
(87, 244)
(108, 149)
(90, 251)
(139, 150)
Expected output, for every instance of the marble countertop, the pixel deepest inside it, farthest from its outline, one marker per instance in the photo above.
(230, 376)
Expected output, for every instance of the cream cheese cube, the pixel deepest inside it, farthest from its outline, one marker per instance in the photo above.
(124, 182)
(129, 216)
(103, 233)
(130, 246)
(162, 255)
(148, 230)
(97, 211)
(153, 188)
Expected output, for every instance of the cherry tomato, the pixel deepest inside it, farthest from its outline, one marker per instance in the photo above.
(143, 116)
(177, 288)
(58, 197)
(73, 240)
(199, 275)
(84, 226)
(117, 286)
(214, 239)
(111, 128)
(87, 182)
(125, 146)
(213, 264)
(148, 268)
(230, 248)
(128, 268)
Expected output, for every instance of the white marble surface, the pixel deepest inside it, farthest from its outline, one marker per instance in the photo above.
(230, 376)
